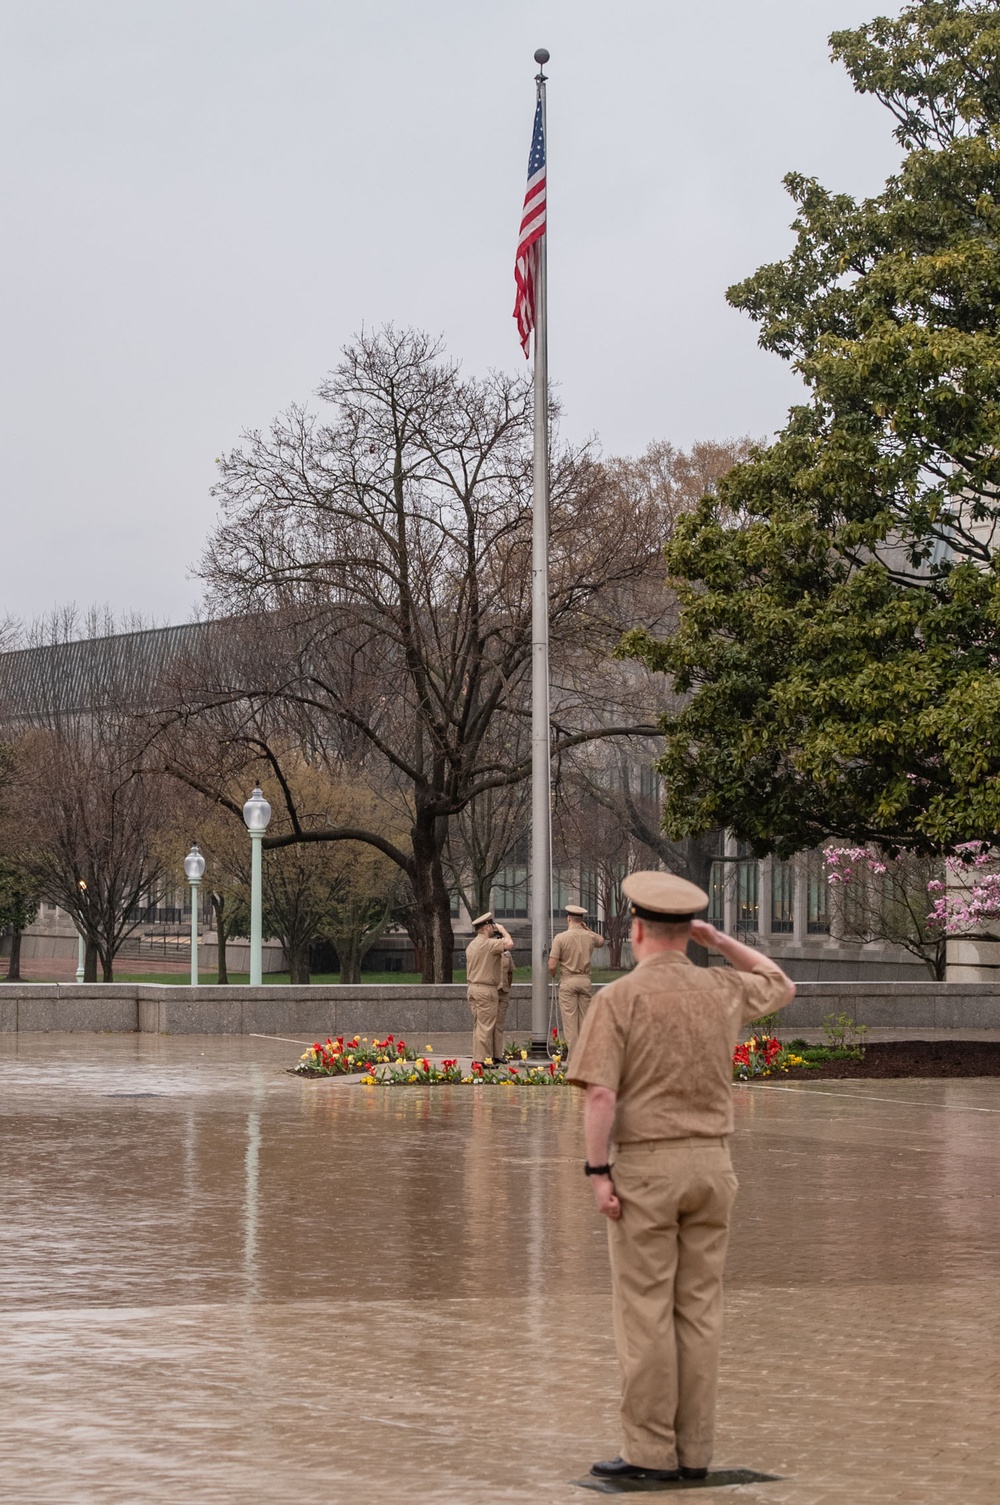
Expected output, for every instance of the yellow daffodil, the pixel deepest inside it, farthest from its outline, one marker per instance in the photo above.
(524, 1055)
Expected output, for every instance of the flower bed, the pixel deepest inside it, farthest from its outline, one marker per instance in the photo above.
(557, 1049)
(424, 1072)
(340, 1057)
(762, 1056)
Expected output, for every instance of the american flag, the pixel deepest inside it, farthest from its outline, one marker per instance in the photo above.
(532, 230)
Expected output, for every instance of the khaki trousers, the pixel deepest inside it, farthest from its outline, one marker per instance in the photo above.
(574, 1000)
(668, 1251)
(503, 999)
(484, 1001)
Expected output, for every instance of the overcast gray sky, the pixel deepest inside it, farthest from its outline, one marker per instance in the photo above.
(205, 199)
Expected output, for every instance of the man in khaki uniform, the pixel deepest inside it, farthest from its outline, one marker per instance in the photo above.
(483, 961)
(655, 1056)
(506, 983)
(572, 950)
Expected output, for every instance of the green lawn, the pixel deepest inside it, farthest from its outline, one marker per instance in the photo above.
(281, 979)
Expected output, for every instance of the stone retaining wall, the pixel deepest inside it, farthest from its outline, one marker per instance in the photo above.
(417, 1011)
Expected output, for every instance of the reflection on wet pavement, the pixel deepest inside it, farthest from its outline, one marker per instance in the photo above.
(219, 1283)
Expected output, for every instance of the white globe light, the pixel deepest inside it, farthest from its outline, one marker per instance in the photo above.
(194, 865)
(256, 812)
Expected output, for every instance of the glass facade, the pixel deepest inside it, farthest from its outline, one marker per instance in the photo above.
(510, 893)
(747, 892)
(782, 898)
(818, 906)
(716, 895)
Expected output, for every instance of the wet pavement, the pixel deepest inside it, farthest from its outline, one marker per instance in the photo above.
(219, 1283)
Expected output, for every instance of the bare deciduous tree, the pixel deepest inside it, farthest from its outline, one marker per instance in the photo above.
(87, 818)
(389, 549)
(86, 815)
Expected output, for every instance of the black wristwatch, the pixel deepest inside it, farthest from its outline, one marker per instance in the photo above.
(596, 1170)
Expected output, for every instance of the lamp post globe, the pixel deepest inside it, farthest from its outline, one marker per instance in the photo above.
(194, 865)
(194, 871)
(256, 814)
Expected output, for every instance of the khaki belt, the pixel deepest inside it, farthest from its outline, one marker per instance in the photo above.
(698, 1142)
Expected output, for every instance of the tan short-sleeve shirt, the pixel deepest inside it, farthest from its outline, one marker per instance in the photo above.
(483, 957)
(662, 1039)
(573, 949)
(506, 971)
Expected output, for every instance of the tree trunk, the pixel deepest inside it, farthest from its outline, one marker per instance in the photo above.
(298, 965)
(14, 966)
(90, 962)
(349, 956)
(107, 966)
(699, 854)
(219, 905)
(616, 927)
(483, 893)
(433, 901)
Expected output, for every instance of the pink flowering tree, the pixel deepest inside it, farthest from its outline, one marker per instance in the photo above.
(968, 906)
(915, 902)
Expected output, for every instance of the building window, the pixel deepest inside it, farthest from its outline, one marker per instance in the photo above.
(818, 907)
(717, 895)
(454, 905)
(510, 893)
(782, 898)
(747, 891)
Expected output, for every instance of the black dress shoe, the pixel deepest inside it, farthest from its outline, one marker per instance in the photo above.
(693, 1473)
(617, 1468)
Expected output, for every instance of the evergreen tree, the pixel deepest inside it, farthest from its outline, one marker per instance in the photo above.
(839, 592)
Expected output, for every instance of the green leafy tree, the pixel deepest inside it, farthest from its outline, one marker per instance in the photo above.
(18, 908)
(839, 593)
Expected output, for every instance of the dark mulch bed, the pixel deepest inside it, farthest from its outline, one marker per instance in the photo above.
(913, 1058)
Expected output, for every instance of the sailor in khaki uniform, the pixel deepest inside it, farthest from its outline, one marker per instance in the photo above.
(483, 960)
(655, 1056)
(506, 982)
(572, 950)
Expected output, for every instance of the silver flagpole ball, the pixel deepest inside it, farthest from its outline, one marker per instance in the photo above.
(542, 56)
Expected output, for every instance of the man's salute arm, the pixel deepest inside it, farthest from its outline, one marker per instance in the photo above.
(743, 958)
(505, 936)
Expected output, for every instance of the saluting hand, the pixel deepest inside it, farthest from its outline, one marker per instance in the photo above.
(606, 1198)
(704, 933)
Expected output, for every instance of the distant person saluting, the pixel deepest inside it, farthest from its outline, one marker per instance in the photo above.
(572, 951)
(656, 1058)
(483, 975)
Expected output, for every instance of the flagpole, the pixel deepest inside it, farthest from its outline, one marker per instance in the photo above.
(541, 855)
